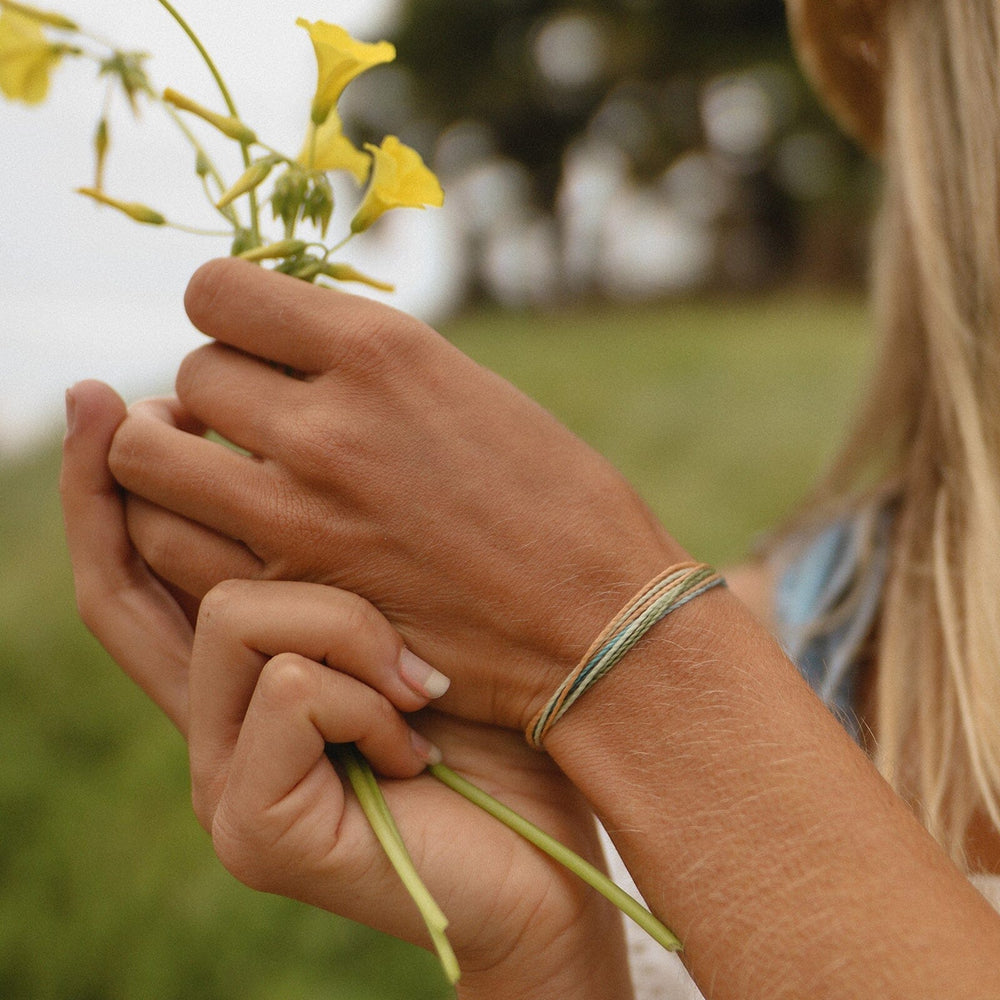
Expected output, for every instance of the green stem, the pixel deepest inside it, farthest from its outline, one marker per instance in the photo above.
(203, 52)
(224, 90)
(228, 213)
(197, 230)
(343, 243)
(373, 803)
(594, 877)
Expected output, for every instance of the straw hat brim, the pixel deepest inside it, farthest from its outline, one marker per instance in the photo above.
(841, 47)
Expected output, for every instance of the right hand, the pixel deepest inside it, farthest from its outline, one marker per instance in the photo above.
(394, 467)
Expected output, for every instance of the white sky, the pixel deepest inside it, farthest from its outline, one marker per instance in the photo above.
(85, 292)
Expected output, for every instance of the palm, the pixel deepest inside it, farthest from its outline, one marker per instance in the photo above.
(318, 846)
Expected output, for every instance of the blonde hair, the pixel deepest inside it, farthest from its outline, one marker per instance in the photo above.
(928, 431)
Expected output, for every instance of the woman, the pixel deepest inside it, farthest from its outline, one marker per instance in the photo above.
(498, 546)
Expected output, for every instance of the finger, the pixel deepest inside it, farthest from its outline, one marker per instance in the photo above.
(199, 479)
(185, 553)
(280, 318)
(215, 382)
(298, 706)
(170, 411)
(242, 623)
(331, 626)
(120, 601)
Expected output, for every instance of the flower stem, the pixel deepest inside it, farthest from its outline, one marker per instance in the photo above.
(594, 877)
(224, 90)
(228, 213)
(370, 797)
(203, 52)
(197, 230)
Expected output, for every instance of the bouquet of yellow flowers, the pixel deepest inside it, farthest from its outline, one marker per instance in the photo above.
(298, 189)
(33, 42)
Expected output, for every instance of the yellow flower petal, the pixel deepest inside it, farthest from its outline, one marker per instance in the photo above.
(400, 179)
(339, 59)
(26, 58)
(42, 16)
(327, 148)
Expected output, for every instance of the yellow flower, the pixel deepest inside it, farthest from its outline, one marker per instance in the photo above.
(26, 57)
(400, 179)
(340, 59)
(327, 148)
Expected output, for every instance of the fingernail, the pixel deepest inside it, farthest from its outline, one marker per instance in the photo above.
(422, 677)
(424, 748)
(70, 411)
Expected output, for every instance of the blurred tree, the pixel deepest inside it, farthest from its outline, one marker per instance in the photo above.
(537, 70)
(649, 84)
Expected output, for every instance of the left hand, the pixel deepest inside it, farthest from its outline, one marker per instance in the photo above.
(273, 672)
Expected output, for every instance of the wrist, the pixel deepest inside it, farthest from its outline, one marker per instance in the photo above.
(584, 614)
(666, 674)
(667, 592)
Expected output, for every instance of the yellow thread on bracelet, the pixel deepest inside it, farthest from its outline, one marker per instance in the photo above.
(667, 592)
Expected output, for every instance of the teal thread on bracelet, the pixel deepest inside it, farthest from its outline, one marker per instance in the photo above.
(666, 593)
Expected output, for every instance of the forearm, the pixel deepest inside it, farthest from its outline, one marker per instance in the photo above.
(758, 831)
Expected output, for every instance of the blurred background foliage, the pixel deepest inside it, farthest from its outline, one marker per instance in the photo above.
(628, 149)
(623, 160)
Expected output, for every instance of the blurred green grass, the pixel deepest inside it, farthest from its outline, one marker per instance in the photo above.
(719, 412)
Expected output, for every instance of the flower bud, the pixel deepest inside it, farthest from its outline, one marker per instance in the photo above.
(127, 68)
(288, 195)
(255, 174)
(273, 251)
(318, 206)
(226, 124)
(133, 209)
(243, 240)
(306, 267)
(344, 272)
(100, 151)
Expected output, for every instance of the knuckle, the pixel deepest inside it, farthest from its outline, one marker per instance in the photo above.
(315, 435)
(287, 680)
(188, 379)
(386, 340)
(358, 617)
(220, 604)
(384, 717)
(156, 546)
(125, 450)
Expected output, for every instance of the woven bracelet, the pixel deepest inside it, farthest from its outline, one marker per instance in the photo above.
(669, 591)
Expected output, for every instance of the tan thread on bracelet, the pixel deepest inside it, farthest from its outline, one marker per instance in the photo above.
(667, 592)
